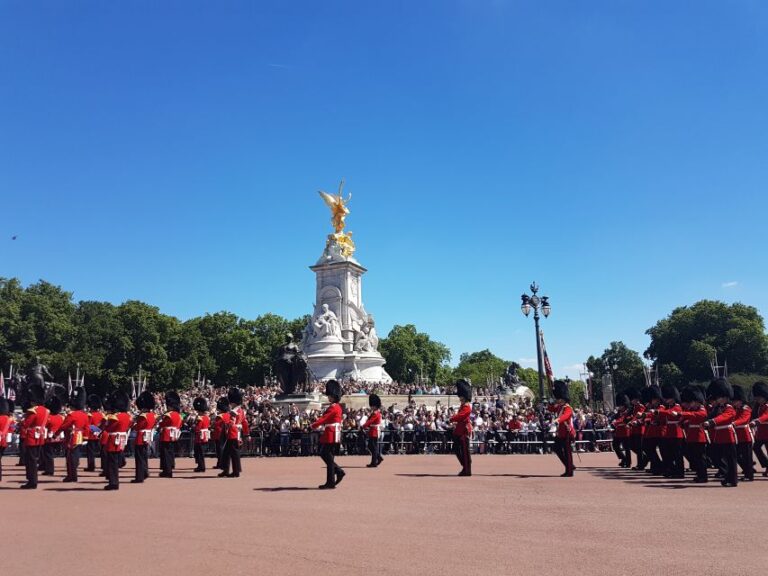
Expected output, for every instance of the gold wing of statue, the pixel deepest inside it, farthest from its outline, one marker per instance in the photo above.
(338, 206)
(329, 199)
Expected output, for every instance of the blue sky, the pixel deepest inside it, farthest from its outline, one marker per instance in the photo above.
(616, 152)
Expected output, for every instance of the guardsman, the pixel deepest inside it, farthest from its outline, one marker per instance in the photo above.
(220, 424)
(330, 426)
(723, 435)
(144, 426)
(672, 438)
(53, 435)
(372, 427)
(35, 420)
(103, 438)
(565, 432)
(637, 429)
(621, 432)
(170, 431)
(202, 432)
(744, 438)
(6, 426)
(651, 396)
(235, 431)
(760, 394)
(692, 418)
(93, 446)
(74, 428)
(462, 427)
(117, 426)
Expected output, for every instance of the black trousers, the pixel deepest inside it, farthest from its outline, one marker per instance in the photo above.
(200, 456)
(72, 457)
(636, 444)
(112, 467)
(167, 457)
(627, 450)
(672, 456)
(48, 458)
(650, 446)
(744, 458)
(562, 448)
(92, 451)
(725, 455)
(697, 456)
(461, 450)
(375, 450)
(219, 444)
(761, 452)
(231, 456)
(141, 460)
(327, 453)
(22, 450)
(31, 461)
(2, 450)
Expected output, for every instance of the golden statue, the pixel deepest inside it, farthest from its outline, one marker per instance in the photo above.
(338, 206)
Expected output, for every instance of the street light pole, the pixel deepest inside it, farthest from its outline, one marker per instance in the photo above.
(537, 303)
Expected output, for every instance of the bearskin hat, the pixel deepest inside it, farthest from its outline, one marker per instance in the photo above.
(120, 401)
(739, 394)
(54, 405)
(77, 400)
(222, 404)
(146, 401)
(333, 389)
(719, 388)
(94, 402)
(692, 394)
(760, 389)
(200, 404)
(173, 401)
(670, 392)
(36, 394)
(633, 393)
(374, 401)
(5, 407)
(235, 396)
(650, 393)
(464, 389)
(560, 390)
(624, 400)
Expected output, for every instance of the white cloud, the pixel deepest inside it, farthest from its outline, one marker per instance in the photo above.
(731, 284)
(526, 362)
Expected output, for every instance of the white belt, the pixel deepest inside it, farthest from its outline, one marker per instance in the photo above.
(173, 433)
(724, 427)
(694, 425)
(673, 423)
(55, 437)
(146, 435)
(336, 427)
(742, 427)
(204, 435)
(9, 437)
(38, 432)
(121, 438)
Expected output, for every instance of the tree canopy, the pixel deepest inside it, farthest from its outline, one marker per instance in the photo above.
(627, 374)
(410, 353)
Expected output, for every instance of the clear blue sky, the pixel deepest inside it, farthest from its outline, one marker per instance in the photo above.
(616, 152)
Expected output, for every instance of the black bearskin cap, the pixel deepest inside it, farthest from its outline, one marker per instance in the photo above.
(668, 391)
(374, 401)
(77, 400)
(173, 401)
(120, 401)
(719, 388)
(624, 400)
(464, 389)
(5, 407)
(36, 394)
(94, 402)
(739, 393)
(633, 393)
(200, 404)
(760, 389)
(560, 390)
(222, 404)
(692, 394)
(650, 393)
(146, 401)
(54, 405)
(235, 396)
(333, 389)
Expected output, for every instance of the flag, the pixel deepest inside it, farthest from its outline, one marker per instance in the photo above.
(69, 384)
(2, 385)
(547, 364)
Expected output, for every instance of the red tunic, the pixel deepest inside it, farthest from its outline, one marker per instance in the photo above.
(143, 426)
(669, 416)
(116, 431)
(653, 428)
(723, 432)
(203, 429)
(564, 420)
(620, 425)
(34, 426)
(53, 428)
(220, 424)
(170, 427)
(373, 424)
(5, 429)
(761, 433)
(462, 420)
(692, 421)
(238, 425)
(75, 428)
(331, 425)
(741, 424)
(95, 418)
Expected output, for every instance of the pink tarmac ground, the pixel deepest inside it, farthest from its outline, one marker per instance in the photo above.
(410, 516)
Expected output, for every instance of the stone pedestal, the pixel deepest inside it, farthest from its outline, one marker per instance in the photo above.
(301, 401)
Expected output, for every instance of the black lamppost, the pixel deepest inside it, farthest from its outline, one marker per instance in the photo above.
(537, 303)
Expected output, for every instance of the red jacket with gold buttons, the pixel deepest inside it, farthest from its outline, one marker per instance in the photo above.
(170, 426)
(462, 420)
(143, 426)
(5, 428)
(761, 433)
(741, 424)
(373, 423)
(220, 425)
(331, 423)
(74, 427)
(692, 423)
(34, 426)
(723, 418)
(669, 416)
(202, 429)
(116, 431)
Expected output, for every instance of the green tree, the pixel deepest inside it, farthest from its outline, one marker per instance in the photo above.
(481, 367)
(409, 353)
(627, 374)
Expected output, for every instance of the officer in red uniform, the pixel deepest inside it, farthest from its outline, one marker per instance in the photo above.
(6, 426)
(744, 438)
(235, 431)
(621, 432)
(93, 446)
(74, 428)
(651, 396)
(220, 425)
(720, 426)
(462, 427)
(34, 426)
(117, 426)
(637, 429)
(143, 425)
(672, 438)
(330, 426)
(170, 430)
(692, 418)
(53, 436)
(202, 432)
(565, 432)
(760, 424)
(372, 427)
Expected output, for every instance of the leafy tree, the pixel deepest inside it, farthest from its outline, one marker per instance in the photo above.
(480, 367)
(627, 374)
(409, 353)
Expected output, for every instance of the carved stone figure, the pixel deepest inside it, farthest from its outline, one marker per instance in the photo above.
(366, 339)
(326, 324)
(291, 367)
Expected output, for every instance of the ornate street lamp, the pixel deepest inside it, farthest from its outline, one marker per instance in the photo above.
(537, 303)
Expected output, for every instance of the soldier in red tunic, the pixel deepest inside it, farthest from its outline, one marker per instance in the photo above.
(34, 426)
(235, 431)
(723, 435)
(117, 426)
(93, 446)
(462, 427)
(6, 425)
(637, 429)
(143, 425)
(760, 394)
(672, 438)
(329, 425)
(653, 431)
(744, 438)
(53, 436)
(692, 418)
(202, 431)
(565, 432)
(372, 427)
(170, 431)
(220, 425)
(621, 432)
(75, 428)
